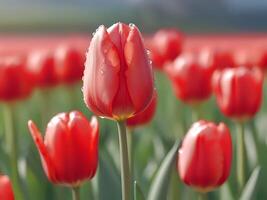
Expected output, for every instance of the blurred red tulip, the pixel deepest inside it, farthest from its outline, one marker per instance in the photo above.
(69, 152)
(238, 91)
(69, 64)
(263, 60)
(191, 75)
(15, 80)
(165, 46)
(118, 77)
(204, 160)
(223, 58)
(146, 115)
(6, 191)
(41, 64)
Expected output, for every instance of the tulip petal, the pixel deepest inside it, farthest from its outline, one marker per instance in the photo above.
(139, 74)
(226, 143)
(46, 160)
(122, 104)
(101, 73)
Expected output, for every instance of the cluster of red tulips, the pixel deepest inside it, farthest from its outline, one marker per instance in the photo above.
(118, 84)
(39, 62)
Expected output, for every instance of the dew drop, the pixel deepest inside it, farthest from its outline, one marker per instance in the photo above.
(131, 25)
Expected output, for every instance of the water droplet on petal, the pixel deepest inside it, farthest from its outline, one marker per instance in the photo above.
(131, 25)
(102, 71)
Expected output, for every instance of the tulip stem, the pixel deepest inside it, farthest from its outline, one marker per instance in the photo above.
(130, 143)
(11, 146)
(240, 156)
(196, 112)
(256, 138)
(125, 169)
(202, 196)
(75, 193)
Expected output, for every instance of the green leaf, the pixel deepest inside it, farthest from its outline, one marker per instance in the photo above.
(109, 186)
(250, 188)
(138, 193)
(225, 192)
(160, 185)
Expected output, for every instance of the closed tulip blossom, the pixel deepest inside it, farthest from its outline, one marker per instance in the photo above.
(204, 160)
(15, 80)
(118, 79)
(118, 82)
(165, 46)
(224, 58)
(6, 191)
(69, 150)
(69, 64)
(191, 77)
(41, 65)
(238, 91)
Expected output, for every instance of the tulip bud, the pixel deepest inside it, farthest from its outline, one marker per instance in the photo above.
(262, 62)
(223, 59)
(165, 46)
(6, 191)
(205, 157)
(191, 77)
(41, 65)
(15, 80)
(146, 115)
(118, 77)
(238, 91)
(69, 64)
(69, 152)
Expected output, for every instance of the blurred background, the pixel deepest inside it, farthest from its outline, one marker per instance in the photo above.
(79, 18)
(86, 15)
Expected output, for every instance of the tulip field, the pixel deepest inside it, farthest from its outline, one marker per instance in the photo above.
(125, 115)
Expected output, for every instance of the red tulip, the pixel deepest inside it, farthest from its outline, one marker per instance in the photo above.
(239, 91)
(263, 60)
(69, 152)
(15, 80)
(205, 157)
(69, 64)
(6, 191)
(223, 58)
(118, 77)
(41, 65)
(191, 77)
(165, 46)
(146, 115)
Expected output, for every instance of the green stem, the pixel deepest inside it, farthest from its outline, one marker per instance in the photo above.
(75, 193)
(240, 157)
(256, 138)
(12, 146)
(182, 108)
(125, 169)
(196, 112)
(202, 196)
(130, 143)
